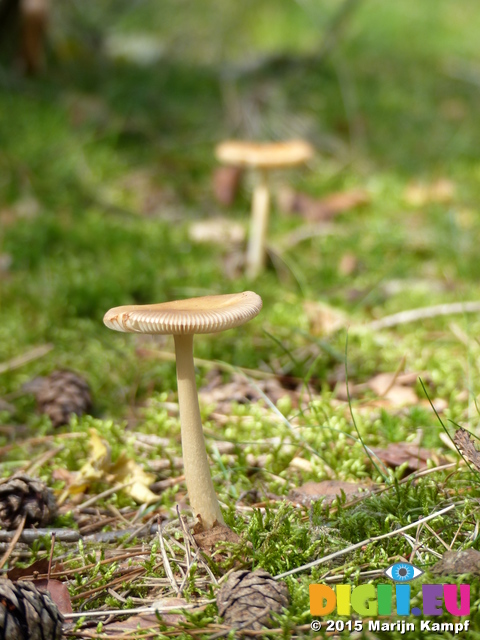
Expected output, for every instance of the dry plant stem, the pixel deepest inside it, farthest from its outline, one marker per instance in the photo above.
(422, 313)
(131, 612)
(29, 356)
(30, 535)
(203, 499)
(342, 552)
(258, 227)
(14, 541)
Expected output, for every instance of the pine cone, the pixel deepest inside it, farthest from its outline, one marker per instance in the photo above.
(61, 394)
(247, 599)
(27, 613)
(21, 496)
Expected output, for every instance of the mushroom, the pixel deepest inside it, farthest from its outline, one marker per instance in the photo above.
(262, 157)
(183, 319)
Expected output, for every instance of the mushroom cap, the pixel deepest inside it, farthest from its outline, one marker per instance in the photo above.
(208, 314)
(264, 155)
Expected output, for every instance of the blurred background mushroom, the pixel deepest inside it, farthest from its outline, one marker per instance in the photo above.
(262, 158)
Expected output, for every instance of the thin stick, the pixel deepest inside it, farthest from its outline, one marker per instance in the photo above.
(41, 460)
(104, 494)
(131, 612)
(434, 533)
(38, 440)
(166, 561)
(30, 535)
(14, 541)
(138, 530)
(50, 560)
(29, 356)
(198, 555)
(422, 313)
(188, 553)
(353, 547)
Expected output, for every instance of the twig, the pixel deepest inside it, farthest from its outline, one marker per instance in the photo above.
(126, 556)
(166, 561)
(39, 440)
(353, 547)
(198, 554)
(14, 541)
(435, 534)
(41, 460)
(100, 496)
(29, 356)
(50, 559)
(412, 315)
(135, 573)
(131, 612)
(188, 553)
(30, 535)
(135, 533)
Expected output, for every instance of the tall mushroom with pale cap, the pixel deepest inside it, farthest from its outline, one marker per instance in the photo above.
(263, 157)
(183, 319)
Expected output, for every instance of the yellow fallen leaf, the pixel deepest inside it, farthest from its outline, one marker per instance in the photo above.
(99, 467)
(127, 470)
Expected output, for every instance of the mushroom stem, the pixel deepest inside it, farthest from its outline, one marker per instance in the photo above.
(258, 226)
(203, 499)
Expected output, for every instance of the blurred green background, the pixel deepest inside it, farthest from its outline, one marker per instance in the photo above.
(107, 155)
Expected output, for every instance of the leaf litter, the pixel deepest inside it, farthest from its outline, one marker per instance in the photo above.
(466, 446)
(99, 467)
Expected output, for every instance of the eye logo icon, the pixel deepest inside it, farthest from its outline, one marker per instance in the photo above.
(403, 572)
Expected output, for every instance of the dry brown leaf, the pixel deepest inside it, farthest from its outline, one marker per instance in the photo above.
(465, 443)
(394, 388)
(226, 184)
(58, 592)
(455, 563)
(39, 566)
(398, 453)
(324, 319)
(321, 209)
(327, 489)
(239, 390)
(207, 540)
(400, 396)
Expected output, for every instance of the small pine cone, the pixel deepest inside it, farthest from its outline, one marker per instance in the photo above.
(247, 599)
(23, 496)
(61, 394)
(27, 613)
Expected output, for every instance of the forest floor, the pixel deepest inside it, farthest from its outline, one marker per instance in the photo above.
(108, 185)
